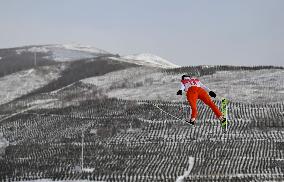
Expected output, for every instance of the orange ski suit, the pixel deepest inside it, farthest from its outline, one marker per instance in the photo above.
(194, 93)
(196, 90)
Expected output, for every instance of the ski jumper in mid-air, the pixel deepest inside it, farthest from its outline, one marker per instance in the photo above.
(196, 90)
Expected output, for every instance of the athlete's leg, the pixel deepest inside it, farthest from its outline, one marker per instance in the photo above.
(192, 97)
(203, 95)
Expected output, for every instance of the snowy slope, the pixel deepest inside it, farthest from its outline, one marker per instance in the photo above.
(65, 52)
(23, 82)
(151, 84)
(118, 79)
(147, 60)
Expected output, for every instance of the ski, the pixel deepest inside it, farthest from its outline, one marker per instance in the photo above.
(224, 110)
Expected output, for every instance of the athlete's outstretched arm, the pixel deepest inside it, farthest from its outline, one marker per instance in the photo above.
(204, 87)
(211, 93)
(182, 87)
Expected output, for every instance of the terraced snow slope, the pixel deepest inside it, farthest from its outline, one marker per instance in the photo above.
(3, 144)
(128, 140)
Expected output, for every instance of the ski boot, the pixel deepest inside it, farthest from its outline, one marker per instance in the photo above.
(191, 121)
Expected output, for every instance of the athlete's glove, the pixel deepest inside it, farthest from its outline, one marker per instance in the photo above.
(179, 92)
(212, 94)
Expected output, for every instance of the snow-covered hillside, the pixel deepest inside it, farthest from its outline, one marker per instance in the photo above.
(240, 86)
(23, 82)
(147, 60)
(65, 52)
(147, 82)
(122, 78)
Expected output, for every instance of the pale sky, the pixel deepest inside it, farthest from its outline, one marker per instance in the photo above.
(185, 32)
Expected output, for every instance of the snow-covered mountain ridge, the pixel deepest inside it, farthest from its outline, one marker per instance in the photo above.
(65, 52)
(72, 52)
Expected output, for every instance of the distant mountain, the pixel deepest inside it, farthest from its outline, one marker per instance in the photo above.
(47, 68)
(65, 52)
(22, 58)
(17, 59)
